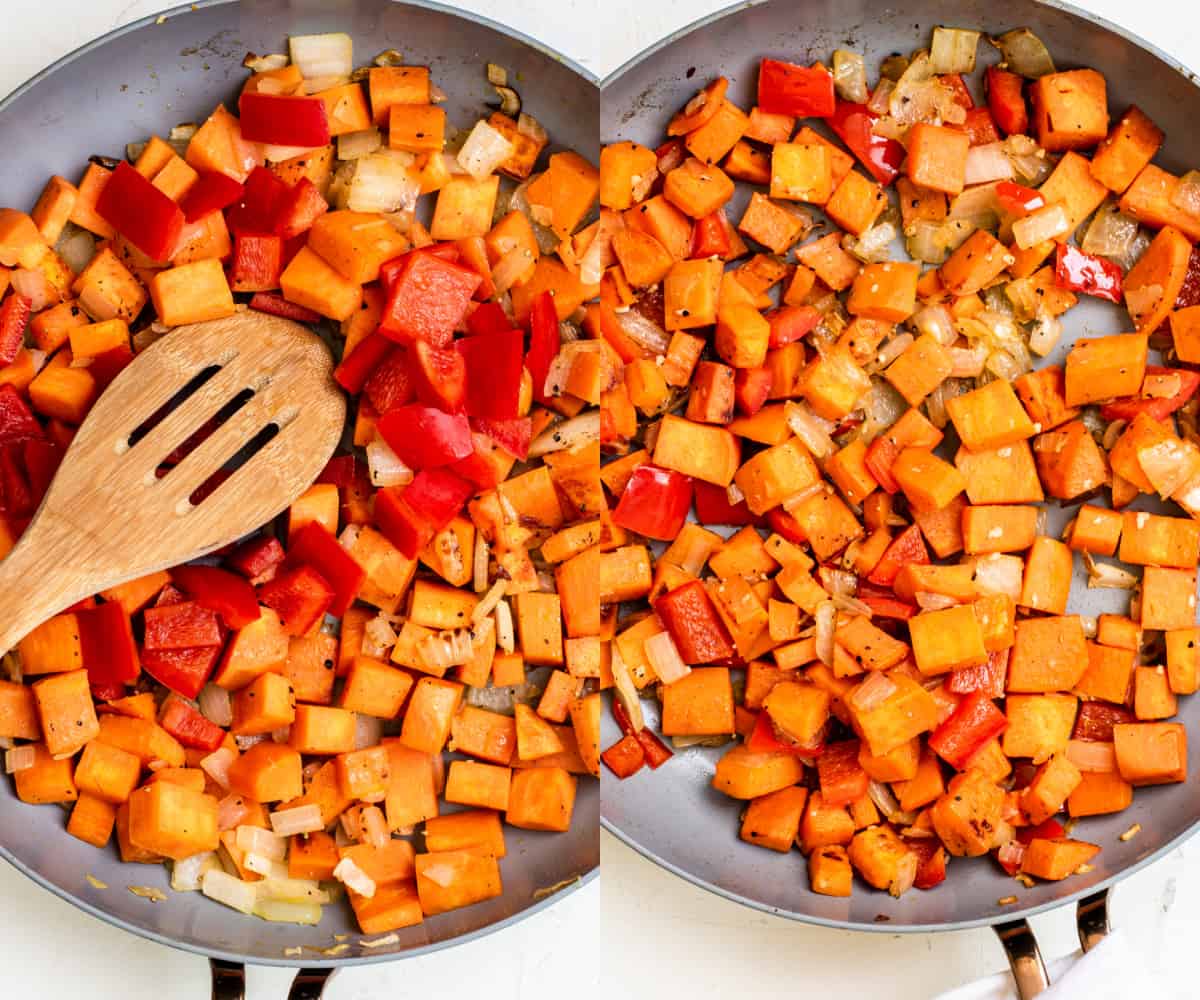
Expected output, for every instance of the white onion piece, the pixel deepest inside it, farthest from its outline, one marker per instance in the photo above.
(933, 602)
(890, 351)
(216, 705)
(815, 432)
(382, 182)
(647, 334)
(254, 839)
(264, 64)
(663, 657)
(76, 249)
(298, 820)
(285, 889)
(988, 163)
(35, 286)
(216, 765)
(19, 759)
(356, 145)
(374, 827)
(353, 877)
(330, 54)
(1106, 576)
(936, 321)
(506, 637)
(385, 466)
(872, 692)
(231, 811)
(1025, 53)
(378, 637)
(368, 731)
(187, 874)
(246, 742)
(883, 798)
(906, 874)
(489, 602)
(1044, 334)
(826, 619)
(850, 76)
(305, 914)
(479, 564)
(484, 150)
(953, 50)
(567, 436)
(224, 888)
(968, 362)
(1046, 223)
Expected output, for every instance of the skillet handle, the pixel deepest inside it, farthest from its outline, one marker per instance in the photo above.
(309, 984)
(228, 980)
(1024, 958)
(1091, 917)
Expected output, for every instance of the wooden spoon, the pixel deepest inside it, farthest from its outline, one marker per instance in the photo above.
(108, 517)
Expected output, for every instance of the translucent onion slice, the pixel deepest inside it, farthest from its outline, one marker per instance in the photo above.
(254, 839)
(506, 637)
(953, 50)
(353, 877)
(330, 54)
(484, 150)
(988, 163)
(385, 466)
(1046, 223)
(1025, 53)
(850, 76)
(187, 874)
(873, 691)
(216, 705)
(216, 765)
(307, 914)
(19, 759)
(663, 656)
(224, 888)
(298, 820)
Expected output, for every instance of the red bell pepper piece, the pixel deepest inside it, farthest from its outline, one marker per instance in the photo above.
(438, 495)
(514, 436)
(800, 91)
(424, 436)
(221, 591)
(353, 371)
(399, 523)
(140, 212)
(428, 298)
(906, 547)
(989, 677)
(488, 317)
(184, 671)
(764, 740)
(494, 367)
(1048, 829)
(1083, 272)
(257, 558)
(299, 209)
(611, 330)
(958, 86)
(16, 497)
(14, 317)
(1009, 856)
(842, 777)
(655, 502)
(170, 594)
(106, 639)
(392, 269)
(391, 383)
(888, 607)
(338, 471)
(670, 155)
(931, 862)
(621, 717)
(277, 305)
(188, 726)
(42, 459)
(1158, 407)
(212, 192)
(880, 457)
(181, 626)
(782, 523)
(1006, 101)
(1189, 292)
(710, 238)
(544, 342)
(791, 323)
(17, 422)
(688, 615)
(1096, 719)
(282, 120)
(257, 262)
(439, 376)
(975, 721)
(314, 546)
(106, 692)
(881, 156)
(255, 210)
(625, 757)
(979, 127)
(107, 366)
(751, 389)
(713, 506)
(300, 596)
(1018, 200)
(655, 750)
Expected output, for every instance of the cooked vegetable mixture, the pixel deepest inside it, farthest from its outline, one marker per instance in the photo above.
(879, 631)
(280, 721)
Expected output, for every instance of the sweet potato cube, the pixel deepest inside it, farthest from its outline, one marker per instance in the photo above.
(623, 168)
(1149, 199)
(775, 474)
(876, 854)
(717, 136)
(52, 647)
(998, 528)
(829, 871)
(906, 713)
(773, 820)
(267, 703)
(801, 172)
(777, 227)
(856, 203)
(1070, 110)
(1129, 146)
(698, 704)
(267, 772)
(967, 817)
(927, 481)
(542, 798)
(66, 712)
(824, 825)
(1108, 675)
(1054, 860)
(47, 780)
(829, 261)
(449, 879)
(1047, 793)
(1070, 462)
(355, 244)
(1000, 475)
(742, 773)
(54, 208)
(1071, 185)
(107, 772)
(1047, 579)
(172, 821)
(1154, 540)
(143, 738)
(742, 336)
(690, 293)
(920, 369)
(1049, 654)
(898, 764)
(937, 157)
(697, 189)
(704, 451)
(1039, 725)
(833, 384)
(1151, 753)
(886, 291)
(975, 264)
(950, 639)
(1099, 793)
(1168, 598)
(990, 417)
(1105, 367)
(1183, 659)
(92, 820)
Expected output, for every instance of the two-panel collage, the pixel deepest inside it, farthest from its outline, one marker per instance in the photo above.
(646, 500)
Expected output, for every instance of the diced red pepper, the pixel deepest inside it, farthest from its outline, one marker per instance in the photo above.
(763, 739)
(17, 422)
(42, 459)
(958, 86)
(299, 209)
(392, 269)
(257, 262)
(188, 726)
(842, 777)
(424, 436)
(670, 155)
(1189, 292)
(106, 692)
(314, 546)
(1018, 200)
(428, 298)
(438, 495)
(257, 558)
(625, 757)
(514, 436)
(282, 120)
(655, 502)
(544, 342)
(1009, 856)
(439, 376)
(710, 237)
(783, 524)
(688, 615)
(880, 457)
(181, 626)
(300, 597)
(800, 91)
(611, 330)
(751, 389)
(212, 192)
(170, 594)
(1083, 272)
(906, 547)
(221, 591)
(621, 717)
(1096, 719)
(256, 209)
(391, 383)
(338, 471)
(791, 323)
(1006, 101)
(16, 496)
(975, 721)
(399, 523)
(14, 317)
(107, 366)
(277, 305)
(656, 751)
(931, 862)
(184, 671)
(1157, 407)
(1049, 829)
(110, 655)
(852, 123)
(140, 212)
(495, 365)
(487, 318)
(979, 127)
(713, 506)
(352, 372)
(988, 678)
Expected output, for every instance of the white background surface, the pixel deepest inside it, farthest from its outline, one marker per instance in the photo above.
(643, 933)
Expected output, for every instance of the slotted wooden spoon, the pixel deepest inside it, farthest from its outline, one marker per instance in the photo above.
(108, 518)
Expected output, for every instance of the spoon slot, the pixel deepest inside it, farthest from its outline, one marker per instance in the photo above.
(172, 404)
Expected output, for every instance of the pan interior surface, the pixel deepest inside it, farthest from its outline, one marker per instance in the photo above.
(673, 816)
(140, 81)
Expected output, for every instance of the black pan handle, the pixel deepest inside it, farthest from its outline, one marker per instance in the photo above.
(229, 982)
(1024, 957)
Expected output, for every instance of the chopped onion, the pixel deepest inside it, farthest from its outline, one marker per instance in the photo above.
(953, 50)
(872, 692)
(305, 914)
(663, 657)
(567, 436)
(264, 64)
(1010, 854)
(977, 205)
(530, 127)
(826, 620)
(988, 163)
(300, 819)
(881, 96)
(279, 154)
(599, 252)
(968, 362)
(356, 145)
(216, 765)
(378, 637)
(224, 888)
(1025, 53)
(231, 811)
(647, 334)
(1046, 223)
(488, 603)
(626, 690)
(259, 841)
(484, 150)
(813, 431)
(443, 650)
(890, 351)
(850, 76)
(1111, 233)
(514, 268)
(933, 602)
(882, 796)
(19, 759)
(385, 466)
(935, 321)
(34, 286)
(330, 54)
(353, 877)
(906, 874)
(873, 246)
(383, 182)
(368, 730)
(246, 742)
(187, 874)
(1106, 576)
(76, 247)
(506, 637)
(1186, 196)
(1095, 758)
(216, 705)
(479, 564)
(374, 827)
(264, 866)
(920, 96)
(1045, 334)
(284, 889)
(999, 574)
(348, 825)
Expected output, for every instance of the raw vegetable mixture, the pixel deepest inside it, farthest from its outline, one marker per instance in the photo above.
(276, 722)
(878, 633)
